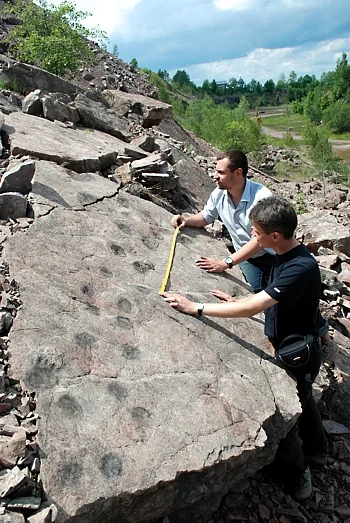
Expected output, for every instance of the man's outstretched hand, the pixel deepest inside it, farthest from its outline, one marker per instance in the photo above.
(211, 264)
(180, 303)
(178, 221)
(222, 296)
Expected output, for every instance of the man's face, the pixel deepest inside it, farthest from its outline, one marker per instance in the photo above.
(224, 178)
(264, 239)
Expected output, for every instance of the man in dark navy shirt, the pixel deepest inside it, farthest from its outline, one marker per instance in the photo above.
(291, 302)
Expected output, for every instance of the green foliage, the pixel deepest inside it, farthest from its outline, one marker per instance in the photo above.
(134, 64)
(115, 51)
(164, 75)
(162, 85)
(296, 107)
(300, 203)
(320, 151)
(288, 139)
(220, 125)
(337, 116)
(181, 78)
(51, 37)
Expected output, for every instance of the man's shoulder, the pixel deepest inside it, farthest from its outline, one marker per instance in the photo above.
(217, 195)
(302, 259)
(259, 189)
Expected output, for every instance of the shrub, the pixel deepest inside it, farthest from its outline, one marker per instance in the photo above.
(337, 116)
(51, 37)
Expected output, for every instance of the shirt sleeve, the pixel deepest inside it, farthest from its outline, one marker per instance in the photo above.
(210, 211)
(288, 286)
(262, 193)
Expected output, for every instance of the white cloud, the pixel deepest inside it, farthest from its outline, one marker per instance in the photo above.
(263, 64)
(109, 15)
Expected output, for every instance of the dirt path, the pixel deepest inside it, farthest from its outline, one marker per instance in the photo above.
(336, 144)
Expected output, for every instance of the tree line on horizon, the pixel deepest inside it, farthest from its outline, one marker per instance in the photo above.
(326, 99)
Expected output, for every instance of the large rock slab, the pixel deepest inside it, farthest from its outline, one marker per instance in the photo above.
(81, 150)
(25, 78)
(56, 186)
(151, 111)
(195, 185)
(96, 115)
(321, 228)
(144, 411)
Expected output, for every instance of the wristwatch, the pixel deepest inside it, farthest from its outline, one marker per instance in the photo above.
(229, 262)
(200, 308)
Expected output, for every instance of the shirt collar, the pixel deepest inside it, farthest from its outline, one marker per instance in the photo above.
(246, 192)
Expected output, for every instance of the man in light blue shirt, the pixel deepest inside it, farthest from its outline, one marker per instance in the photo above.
(232, 201)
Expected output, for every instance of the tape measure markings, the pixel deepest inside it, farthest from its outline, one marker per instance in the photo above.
(170, 261)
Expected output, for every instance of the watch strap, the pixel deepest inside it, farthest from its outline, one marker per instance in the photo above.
(200, 308)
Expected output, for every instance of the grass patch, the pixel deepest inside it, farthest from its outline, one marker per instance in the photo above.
(340, 136)
(283, 122)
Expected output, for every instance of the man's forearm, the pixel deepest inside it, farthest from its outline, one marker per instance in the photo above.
(245, 252)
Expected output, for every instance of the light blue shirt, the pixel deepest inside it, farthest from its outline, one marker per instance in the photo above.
(236, 219)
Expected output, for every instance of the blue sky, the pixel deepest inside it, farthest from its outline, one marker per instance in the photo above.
(222, 39)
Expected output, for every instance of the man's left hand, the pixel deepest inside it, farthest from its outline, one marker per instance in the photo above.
(180, 303)
(211, 264)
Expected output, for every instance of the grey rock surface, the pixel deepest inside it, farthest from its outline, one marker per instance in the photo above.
(55, 109)
(194, 182)
(322, 228)
(97, 116)
(152, 111)
(12, 205)
(28, 78)
(55, 186)
(169, 409)
(18, 178)
(81, 150)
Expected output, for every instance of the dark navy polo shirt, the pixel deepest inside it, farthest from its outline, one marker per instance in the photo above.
(295, 282)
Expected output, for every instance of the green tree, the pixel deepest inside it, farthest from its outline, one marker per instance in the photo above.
(134, 64)
(337, 116)
(213, 87)
(52, 37)
(320, 149)
(205, 87)
(115, 51)
(164, 75)
(342, 79)
(181, 78)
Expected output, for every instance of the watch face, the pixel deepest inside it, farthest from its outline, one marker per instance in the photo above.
(228, 260)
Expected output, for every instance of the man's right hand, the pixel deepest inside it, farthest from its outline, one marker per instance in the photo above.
(211, 264)
(178, 221)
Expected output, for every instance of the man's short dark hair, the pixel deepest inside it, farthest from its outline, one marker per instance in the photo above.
(275, 214)
(237, 159)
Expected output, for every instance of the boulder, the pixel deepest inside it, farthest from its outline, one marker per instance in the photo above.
(145, 142)
(56, 109)
(32, 103)
(95, 115)
(19, 178)
(194, 183)
(9, 103)
(12, 205)
(162, 411)
(81, 150)
(322, 228)
(26, 78)
(150, 111)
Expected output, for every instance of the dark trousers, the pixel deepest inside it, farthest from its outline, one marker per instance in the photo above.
(307, 437)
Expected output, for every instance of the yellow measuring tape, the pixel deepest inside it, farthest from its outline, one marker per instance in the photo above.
(170, 261)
